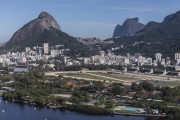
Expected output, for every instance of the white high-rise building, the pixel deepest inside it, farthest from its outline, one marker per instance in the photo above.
(163, 62)
(46, 48)
(141, 60)
(64, 59)
(168, 60)
(178, 61)
(177, 56)
(158, 57)
(27, 49)
(126, 61)
(149, 61)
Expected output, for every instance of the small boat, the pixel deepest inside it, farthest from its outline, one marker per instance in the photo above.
(3, 111)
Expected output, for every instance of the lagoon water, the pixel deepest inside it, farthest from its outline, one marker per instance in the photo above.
(15, 111)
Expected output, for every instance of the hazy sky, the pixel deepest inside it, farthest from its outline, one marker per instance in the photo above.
(83, 18)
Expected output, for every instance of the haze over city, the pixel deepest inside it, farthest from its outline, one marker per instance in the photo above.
(83, 18)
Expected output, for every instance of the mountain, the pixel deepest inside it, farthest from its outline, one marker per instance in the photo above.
(130, 26)
(45, 29)
(44, 22)
(156, 37)
(151, 25)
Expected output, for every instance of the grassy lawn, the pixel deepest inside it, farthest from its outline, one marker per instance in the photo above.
(84, 75)
(101, 76)
(125, 111)
(116, 76)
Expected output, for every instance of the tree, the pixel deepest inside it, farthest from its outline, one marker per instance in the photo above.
(118, 90)
(110, 104)
(134, 87)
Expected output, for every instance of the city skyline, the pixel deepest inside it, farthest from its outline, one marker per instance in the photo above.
(83, 18)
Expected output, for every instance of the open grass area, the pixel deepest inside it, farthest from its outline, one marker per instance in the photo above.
(125, 111)
(125, 78)
(117, 76)
(84, 75)
(95, 76)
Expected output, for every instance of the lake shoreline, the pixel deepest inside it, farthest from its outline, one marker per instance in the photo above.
(109, 113)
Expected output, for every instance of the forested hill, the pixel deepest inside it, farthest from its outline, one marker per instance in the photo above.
(45, 29)
(54, 37)
(156, 37)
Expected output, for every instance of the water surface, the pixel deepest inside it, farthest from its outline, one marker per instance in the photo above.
(15, 111)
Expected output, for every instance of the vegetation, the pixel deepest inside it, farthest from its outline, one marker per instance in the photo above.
(89, 67)
(79, 97)
(30, 87)
(89, 109)
(93, 97)
(163, 38)
(54, 37)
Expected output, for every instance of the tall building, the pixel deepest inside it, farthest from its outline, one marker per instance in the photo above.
(46, 48)
(163, 62)
(64, 60)
(178, 61)
(149, 61)
(158, 57)
(141, 60)
(27, 49)
(177, 56)
(168, 60)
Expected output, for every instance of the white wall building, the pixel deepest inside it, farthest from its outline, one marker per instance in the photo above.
(27, 49)
(158, 57)
(55, 53)
(177, 56)
(46, 48)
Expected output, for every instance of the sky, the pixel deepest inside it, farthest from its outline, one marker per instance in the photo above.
(82, 18)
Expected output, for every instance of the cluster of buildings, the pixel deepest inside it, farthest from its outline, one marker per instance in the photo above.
(33, 54)
(48, 53)
(107, 59)
(112, 59)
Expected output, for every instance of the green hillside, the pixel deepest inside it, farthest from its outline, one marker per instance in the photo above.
(53, 37)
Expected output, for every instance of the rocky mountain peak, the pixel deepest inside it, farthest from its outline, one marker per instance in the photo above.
(136, 19)
(44, 14)
(172, 17)
(130, 26)
(45, 21)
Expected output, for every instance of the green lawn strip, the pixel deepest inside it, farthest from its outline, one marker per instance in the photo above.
(120, 77)
(91, 76)
(84, 75)
(125, 111)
